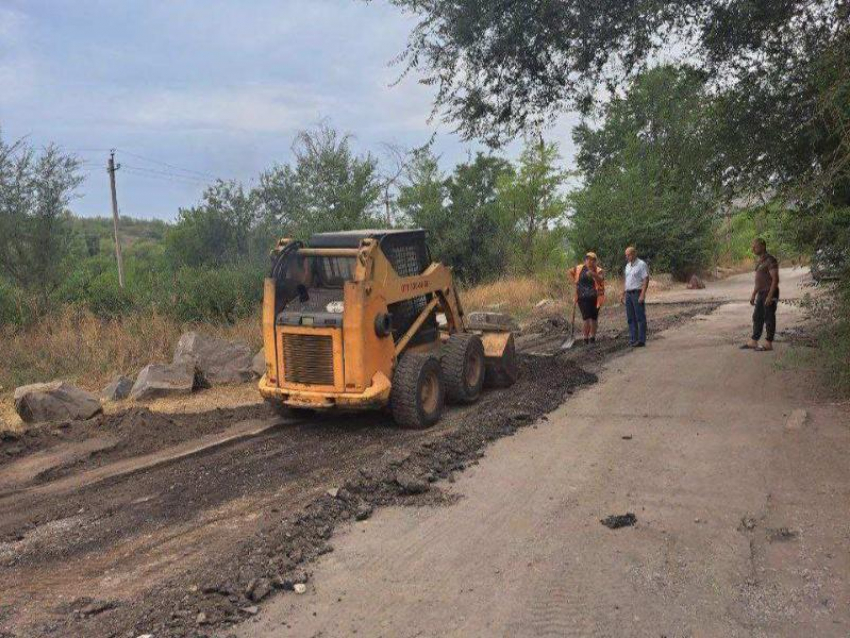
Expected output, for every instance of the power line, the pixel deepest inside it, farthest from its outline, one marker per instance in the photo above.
(171, 166)
(165, 177)
(190, 173)
(154, 171)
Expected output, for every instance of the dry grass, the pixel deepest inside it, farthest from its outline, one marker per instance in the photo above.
(519, 296)
(515, 295)
(76, 346)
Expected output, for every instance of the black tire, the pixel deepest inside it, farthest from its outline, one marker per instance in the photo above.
(463, 363)
(288, 412)
(503, 372)
(418, 394)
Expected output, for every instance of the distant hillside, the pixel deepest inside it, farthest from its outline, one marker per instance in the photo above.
(132, 230)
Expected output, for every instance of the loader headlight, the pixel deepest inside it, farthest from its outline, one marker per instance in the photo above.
(336, 307)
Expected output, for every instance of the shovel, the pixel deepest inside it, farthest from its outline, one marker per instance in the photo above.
(569, 342)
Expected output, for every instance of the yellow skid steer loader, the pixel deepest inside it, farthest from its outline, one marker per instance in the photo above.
(364, 319)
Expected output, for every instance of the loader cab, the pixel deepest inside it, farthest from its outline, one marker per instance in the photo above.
(312, 286)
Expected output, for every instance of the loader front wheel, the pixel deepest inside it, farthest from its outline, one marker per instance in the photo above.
(418, 394)
(463, 367)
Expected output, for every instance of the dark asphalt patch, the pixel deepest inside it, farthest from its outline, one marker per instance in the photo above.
(616, 521)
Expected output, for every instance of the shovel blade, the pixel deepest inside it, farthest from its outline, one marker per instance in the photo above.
(568, 343)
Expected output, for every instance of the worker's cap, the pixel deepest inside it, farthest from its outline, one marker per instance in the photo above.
(591, 255)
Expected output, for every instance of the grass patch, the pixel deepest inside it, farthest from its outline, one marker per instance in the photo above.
(821, 348)
(75, 345)
(833, 341)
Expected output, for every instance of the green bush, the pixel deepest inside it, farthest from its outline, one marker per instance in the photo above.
(225, 294)
(735, 235)
(835, 343)
(11, 311)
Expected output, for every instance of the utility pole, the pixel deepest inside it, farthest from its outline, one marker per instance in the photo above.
(111, 168)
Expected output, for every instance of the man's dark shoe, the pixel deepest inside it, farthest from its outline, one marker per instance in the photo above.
(640, 345)
(633, 344)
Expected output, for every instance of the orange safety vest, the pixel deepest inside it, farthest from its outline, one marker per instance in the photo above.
(598, 285)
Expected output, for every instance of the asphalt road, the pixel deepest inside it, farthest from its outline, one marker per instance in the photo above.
(736, 472)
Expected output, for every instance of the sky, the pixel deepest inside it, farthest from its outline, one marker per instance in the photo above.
(191, 90)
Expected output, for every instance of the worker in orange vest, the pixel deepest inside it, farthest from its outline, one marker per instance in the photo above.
(589, 279)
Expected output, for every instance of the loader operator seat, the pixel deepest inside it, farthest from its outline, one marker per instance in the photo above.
(407, 252)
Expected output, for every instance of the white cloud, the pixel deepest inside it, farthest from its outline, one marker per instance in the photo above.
(252, 109)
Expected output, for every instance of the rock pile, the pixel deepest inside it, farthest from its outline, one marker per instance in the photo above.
(163, 379)
(216, 360)
(695, 283)
(199, 360)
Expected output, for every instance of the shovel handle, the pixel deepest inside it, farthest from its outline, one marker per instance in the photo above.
(573, 321)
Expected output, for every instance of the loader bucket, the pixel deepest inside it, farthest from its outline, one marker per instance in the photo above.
(500, 358)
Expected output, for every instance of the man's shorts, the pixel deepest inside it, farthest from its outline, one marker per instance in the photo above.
(588, 308)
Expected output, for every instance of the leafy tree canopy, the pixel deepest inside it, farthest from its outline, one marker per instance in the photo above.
(328, 188)
(466, 228)
(35, 239)
(502, 66)
(217, 231)
(649, 175)
(531, 199)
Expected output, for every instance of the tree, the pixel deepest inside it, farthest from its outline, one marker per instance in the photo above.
(501, 67)
(218, 231)
(777, 71)
(35, 236)
(423, 197)
(531, 197)
(329, 188)
(465, 226)
(650, 177)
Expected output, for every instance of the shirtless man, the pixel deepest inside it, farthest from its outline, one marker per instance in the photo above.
(765, 298)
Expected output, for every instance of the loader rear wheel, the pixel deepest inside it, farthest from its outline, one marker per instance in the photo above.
(417, 395)
(463, 367)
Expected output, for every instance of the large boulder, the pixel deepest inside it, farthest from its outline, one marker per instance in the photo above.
(163, 379)
(258, 364)
(119, 388)
(482, 320)
(55, 401)
(695, 283)
(218, 361)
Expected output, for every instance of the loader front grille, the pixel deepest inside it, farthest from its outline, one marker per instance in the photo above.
(308, 359)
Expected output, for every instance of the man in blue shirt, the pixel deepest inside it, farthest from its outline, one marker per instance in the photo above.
(636, 282)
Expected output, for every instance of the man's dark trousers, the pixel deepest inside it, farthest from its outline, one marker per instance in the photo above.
(636, 313)
(764, 317)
